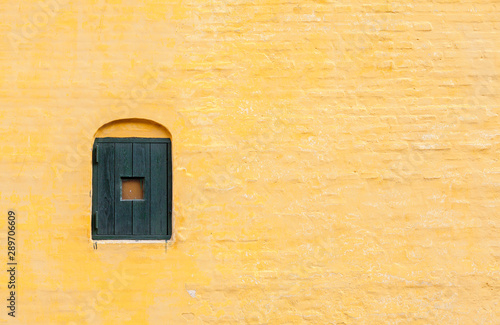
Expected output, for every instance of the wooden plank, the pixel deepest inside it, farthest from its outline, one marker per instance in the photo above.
(169, 188)
(94, 190)
(158, 189)
(123, 168)
(106, 189)
(141, 163)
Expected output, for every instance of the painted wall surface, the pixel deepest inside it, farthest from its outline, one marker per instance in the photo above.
(334, 162)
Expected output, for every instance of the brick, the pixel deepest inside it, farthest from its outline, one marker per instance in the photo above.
(423, 26)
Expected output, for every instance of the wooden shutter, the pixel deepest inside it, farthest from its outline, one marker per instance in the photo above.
(147, 159)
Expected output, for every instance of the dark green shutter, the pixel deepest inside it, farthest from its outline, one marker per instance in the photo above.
(146, 158)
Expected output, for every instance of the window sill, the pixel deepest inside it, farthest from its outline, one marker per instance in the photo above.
(129, 239)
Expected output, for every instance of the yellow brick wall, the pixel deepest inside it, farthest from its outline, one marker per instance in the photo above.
(335, 162)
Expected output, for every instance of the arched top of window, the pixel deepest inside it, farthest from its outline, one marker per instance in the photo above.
(134, 127)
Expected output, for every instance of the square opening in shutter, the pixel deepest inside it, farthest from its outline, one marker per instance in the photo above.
(132, 188)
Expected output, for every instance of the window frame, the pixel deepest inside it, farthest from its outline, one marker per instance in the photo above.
(95, 190)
